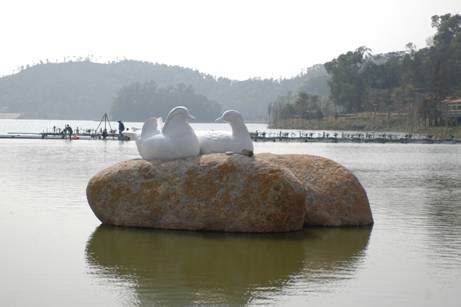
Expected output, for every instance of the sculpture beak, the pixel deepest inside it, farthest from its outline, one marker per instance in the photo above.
(219, 119)
(190, 116)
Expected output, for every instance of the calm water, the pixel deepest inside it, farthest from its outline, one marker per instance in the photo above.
(55, 253)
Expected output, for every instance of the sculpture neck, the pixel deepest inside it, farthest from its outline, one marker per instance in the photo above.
(239, 128)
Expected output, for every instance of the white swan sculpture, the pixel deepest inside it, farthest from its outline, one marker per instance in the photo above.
(177, 139)
(239, 141)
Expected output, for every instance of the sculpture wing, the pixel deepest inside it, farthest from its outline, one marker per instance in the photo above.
(149, 128)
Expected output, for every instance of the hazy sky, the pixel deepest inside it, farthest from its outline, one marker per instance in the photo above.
(236, 39)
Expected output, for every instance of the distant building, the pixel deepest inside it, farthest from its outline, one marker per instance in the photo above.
(451, 107)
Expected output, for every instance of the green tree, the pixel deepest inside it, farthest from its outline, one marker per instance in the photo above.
(446, 55)
(347, 83)
(302, 105)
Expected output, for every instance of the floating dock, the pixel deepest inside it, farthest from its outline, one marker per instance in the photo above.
(257, 137)
(359, 137)
(56, 136)
(103, 131)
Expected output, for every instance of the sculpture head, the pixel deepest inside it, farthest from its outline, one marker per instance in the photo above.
(178, 114)
(231, 116)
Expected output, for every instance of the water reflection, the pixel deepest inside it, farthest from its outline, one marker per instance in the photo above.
(193, 268)
(443, 219)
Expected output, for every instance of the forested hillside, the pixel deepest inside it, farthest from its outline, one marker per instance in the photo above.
(414, 81)
(412, 84)
(85, 90)
(136, 100)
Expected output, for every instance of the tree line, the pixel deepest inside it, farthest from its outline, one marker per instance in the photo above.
(138, 101)
(81, 89)
(411, 81)
(300, 106)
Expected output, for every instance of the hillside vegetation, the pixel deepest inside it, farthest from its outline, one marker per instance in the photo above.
(411, 84)
(85, 90)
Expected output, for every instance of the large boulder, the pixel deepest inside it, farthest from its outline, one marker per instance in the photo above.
(214, 192)
(218, 192)
(334, 196)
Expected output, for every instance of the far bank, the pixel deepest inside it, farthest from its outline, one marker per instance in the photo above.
(369, 121)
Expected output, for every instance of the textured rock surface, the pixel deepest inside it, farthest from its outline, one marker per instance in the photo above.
(334, 196)
(212, 192)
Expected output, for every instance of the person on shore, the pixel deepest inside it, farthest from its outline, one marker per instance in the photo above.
(64, 131)
(67, 131)
(70, 131)
(121, 127)
(104, 134)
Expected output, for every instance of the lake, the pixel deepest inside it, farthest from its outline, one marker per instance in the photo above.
(55, 252)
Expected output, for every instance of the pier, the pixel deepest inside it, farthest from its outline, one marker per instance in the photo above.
(103, 131)
(90, 135)
(358, 137)
(265, 136)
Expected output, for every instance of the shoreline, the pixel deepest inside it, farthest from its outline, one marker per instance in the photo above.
(342, 125)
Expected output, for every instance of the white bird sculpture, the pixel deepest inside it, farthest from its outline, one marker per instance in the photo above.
(239, 141)
(177, 139)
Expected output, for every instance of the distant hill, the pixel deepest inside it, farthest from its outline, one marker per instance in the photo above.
(85, 90)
